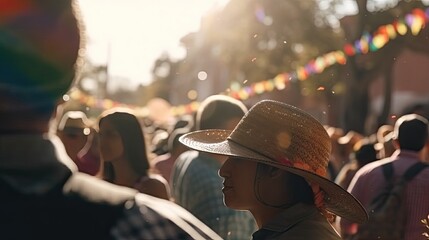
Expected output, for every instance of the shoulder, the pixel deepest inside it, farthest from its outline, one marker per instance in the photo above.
(314, 226)
(154, 180)
(154, 185)
(96, 190)
(372, 168)
(153, 218)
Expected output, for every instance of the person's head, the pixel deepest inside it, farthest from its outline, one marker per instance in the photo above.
(365, 151)
(182, 126)
(121, 139)
(384, 137)
(73, 130)
(411, 132)
(250, 185)
(296, 148)
(348, 141)
(219, 112)
(39, 49)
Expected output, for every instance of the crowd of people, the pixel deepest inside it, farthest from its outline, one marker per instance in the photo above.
(230, 171)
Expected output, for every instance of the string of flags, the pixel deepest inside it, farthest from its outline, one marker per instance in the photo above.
(414, 22)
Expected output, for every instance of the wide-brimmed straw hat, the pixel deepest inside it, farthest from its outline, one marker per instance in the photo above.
(285, 137)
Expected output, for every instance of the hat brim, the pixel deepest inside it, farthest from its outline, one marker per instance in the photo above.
(337, 199)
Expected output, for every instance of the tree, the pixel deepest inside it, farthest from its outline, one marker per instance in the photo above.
(361, 70)
(250, 41)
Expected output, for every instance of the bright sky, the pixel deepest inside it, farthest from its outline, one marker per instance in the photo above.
(130, 35)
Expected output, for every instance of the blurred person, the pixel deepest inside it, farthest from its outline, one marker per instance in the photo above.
(42, 194)
(123, 150)
(385, 138)
(164, 163)
(336, 159)
(73, 130)
(89, 156)
(345, 148)
(75, 133)
(364, 152)
(196, 184)
(276, 168)
(159, 141)
(411, 140)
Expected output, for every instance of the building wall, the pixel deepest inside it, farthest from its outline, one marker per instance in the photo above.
(410, 83)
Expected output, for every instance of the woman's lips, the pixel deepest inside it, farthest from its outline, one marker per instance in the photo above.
(226, 188)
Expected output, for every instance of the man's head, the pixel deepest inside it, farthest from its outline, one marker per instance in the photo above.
(365, 151)
(219, 112)
(39, 47)
(411, 132)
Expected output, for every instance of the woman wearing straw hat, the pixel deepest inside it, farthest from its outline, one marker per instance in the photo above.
(276, 169)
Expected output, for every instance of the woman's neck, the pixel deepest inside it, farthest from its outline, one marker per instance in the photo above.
(124, 174)
(264, 215)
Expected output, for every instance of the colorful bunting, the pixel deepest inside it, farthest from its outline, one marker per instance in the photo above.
(414, 21)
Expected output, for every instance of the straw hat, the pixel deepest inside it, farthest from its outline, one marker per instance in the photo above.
(285, 137)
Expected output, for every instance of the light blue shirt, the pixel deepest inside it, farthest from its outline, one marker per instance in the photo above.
(197, 187)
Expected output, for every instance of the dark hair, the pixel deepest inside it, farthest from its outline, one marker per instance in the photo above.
(216, 110)
(133, 141)
(411, 131)
(365, 153)
(298, 189)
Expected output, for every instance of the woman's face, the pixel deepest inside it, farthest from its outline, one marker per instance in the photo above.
(111, 146)
(238, 190)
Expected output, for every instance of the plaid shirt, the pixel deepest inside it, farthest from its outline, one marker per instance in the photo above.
(153, 218)
(145, 217)
(197, 186)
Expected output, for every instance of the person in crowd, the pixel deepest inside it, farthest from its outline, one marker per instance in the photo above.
(336, 161)
(196, 184)
(411, 141)
(123, 150)
(384, 137)
(276, 168)
(43, 196)
(164, 163)
(89, 155)
(364, 152)
(74, 130)
(346, 143)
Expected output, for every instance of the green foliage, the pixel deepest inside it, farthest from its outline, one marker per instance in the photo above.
(258, 39)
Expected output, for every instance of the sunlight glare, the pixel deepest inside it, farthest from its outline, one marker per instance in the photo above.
(130, 35)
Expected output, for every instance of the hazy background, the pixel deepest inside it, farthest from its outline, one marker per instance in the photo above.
(129, 35)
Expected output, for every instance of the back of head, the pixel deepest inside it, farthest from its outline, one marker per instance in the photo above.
(365, 151)
(131, 133)
(411, 132)
(215, 112)
(39, 46)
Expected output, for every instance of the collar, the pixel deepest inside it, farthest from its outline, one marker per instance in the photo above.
(290, 216)
(406, 154)
(33, 163)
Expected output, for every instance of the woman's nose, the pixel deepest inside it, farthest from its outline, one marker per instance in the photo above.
(223, 171)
